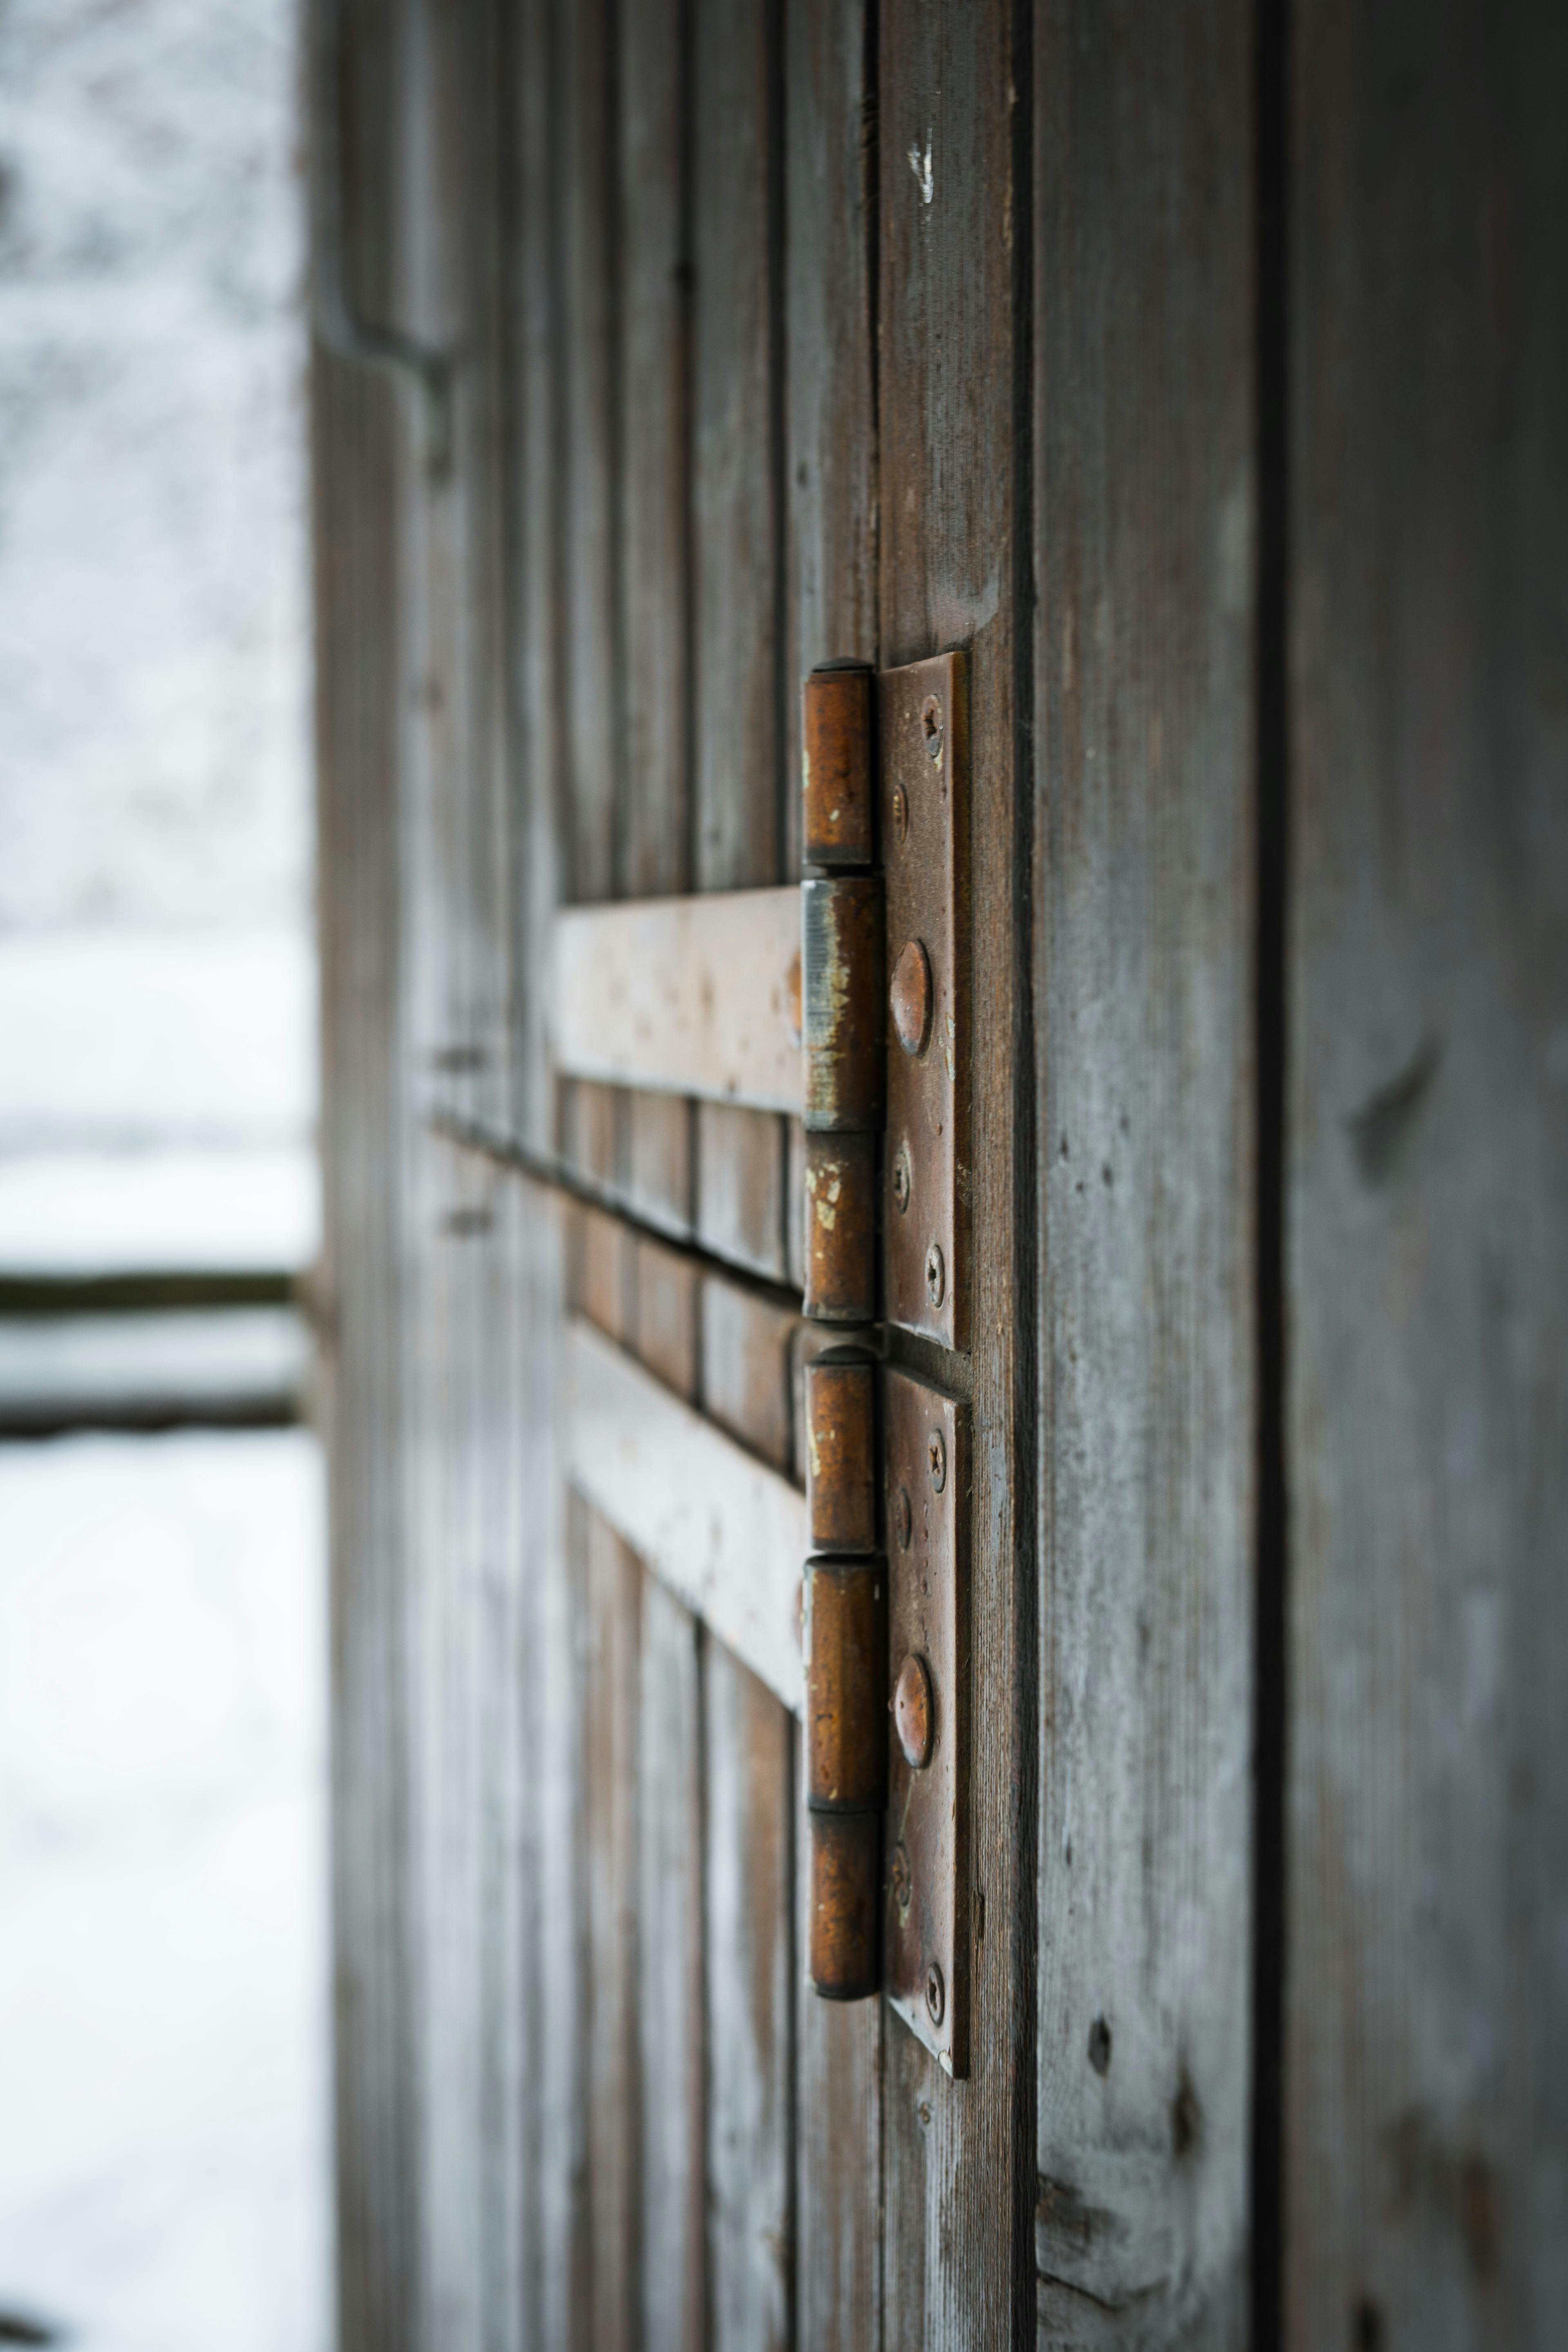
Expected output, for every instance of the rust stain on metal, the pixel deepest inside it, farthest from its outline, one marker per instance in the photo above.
(842, 1932)
(841, 1185)
(845, 1769)
(914, 1712)
(836, 764)
(842, 953)
(909, 997)
(840, 1444)
(846, 1684)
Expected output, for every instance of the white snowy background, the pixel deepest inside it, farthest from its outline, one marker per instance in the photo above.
(164, 2140)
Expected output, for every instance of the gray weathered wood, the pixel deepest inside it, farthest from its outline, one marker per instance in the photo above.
(655, 846)
(749, 1822)
(958, 2260)
(737, 686)
(697, 995)
(1144, 503)
(751, 1966)
(721, 1528)
(359, 428)
(1426, 2085)
(613, 1596)
(669, 1877)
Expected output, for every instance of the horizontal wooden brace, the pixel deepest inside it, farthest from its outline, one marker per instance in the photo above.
(688, 997)
(725, 1533)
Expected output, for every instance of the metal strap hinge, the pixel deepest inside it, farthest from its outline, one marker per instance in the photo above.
(885, 1111)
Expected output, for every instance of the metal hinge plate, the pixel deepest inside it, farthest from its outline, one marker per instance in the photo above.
(924, 727)
(925, 1915)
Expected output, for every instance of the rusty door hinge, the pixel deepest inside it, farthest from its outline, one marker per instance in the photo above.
(884, 991)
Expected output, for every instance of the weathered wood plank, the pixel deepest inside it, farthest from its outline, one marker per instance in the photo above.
(448, 1299)
(453, 726)
(958, 2253)
(830, 612)
(751, 1969)
(668, 1887)
(669, 1878)
(585, 436)
(613, 1684)
(586, 447)
(751, 1966)
(534, 528)
(734, 527)
(742, 1187)
(721, 1528)
(1426, 2085)
(1145, 475)
(553, 2218)
(693, 995)
(736, 389)
(358, 426)
(656, 849)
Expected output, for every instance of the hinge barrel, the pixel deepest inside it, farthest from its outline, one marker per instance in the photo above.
(846, 1655)
(842, 954)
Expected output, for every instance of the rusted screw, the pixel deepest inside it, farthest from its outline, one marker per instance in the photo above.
(909, 997)
(936, 1994)
(903, 1518)
(936, 1274)
(903, 1178)
(937, 1456)
(900, 813)
(930, 720)
(913, 1712)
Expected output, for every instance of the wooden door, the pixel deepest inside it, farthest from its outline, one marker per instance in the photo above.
(652, 471)
(666, 350)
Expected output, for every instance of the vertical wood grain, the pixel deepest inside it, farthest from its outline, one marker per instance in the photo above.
(737, 751)
(613, 1607)
(540, 865)
(358, 435)
(748, 1906)
(958, 2257)
(1426, 2085)
(655, 588)
(585, 453)
(736, 385)
(1144, 458)
(749, 1895)
(830, 614)
(669, 1878)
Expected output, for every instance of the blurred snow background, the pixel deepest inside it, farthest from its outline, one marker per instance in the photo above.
(163, 2146)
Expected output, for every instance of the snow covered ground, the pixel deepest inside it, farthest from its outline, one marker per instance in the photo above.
(162, 1957)
(164, 1966)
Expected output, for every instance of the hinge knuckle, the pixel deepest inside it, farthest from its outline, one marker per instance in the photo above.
(841, 976)
(841, 1451)
(838, 814)
(845, 1770)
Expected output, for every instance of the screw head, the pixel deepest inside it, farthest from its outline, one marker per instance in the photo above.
(903, 1178)
(903, 1518)
(914, 1713)
(936, 1274)
(900, 813)
(910, 996)
(936, 1455)
(931, 726)
(936, 1994)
